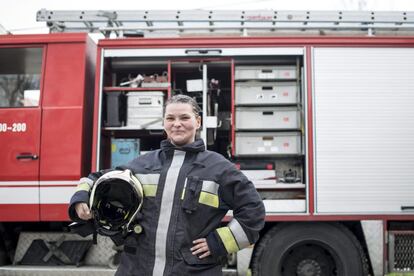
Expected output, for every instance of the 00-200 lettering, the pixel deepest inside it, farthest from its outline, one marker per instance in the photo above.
(15, 127)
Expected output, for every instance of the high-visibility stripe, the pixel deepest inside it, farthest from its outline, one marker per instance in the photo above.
(210, 186)
(239, 233)
(167, 201)
(185, 186)
(151, 178)
(83, 187)
(149, 183)
(150, 190)
(208, 195)
(209, 199)
(228, 239)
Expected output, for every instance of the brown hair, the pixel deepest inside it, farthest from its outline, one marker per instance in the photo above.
(185, 100)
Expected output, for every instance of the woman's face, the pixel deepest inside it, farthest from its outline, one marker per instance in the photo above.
(181, 123)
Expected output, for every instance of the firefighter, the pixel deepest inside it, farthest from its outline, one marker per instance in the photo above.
(187, 192)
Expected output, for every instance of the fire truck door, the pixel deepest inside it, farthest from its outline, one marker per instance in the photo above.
(364, 128)
(20, 117)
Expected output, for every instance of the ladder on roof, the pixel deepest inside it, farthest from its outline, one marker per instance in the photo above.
(250, 22)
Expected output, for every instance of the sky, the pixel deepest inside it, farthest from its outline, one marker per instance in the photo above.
(19, 16)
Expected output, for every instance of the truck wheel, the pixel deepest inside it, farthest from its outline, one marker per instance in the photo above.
(3, 255)
(309, 249)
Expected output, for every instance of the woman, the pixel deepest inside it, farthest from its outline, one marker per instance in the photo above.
(188, 190)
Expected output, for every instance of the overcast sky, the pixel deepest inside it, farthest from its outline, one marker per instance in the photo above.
(19, 16)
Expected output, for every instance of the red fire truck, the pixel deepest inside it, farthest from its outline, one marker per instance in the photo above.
(316, 108)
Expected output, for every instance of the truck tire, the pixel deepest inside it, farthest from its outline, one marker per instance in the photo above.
(4, 260)
(309, 249)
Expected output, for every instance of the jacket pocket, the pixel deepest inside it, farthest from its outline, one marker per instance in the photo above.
(191, 194)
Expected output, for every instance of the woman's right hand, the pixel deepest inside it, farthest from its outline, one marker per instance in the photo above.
(82, 209)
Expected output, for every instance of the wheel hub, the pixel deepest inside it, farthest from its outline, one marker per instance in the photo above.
(309, 267)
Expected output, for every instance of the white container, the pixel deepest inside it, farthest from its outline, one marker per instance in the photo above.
(194, 85)
(150, 98)
(267, 143)
(268, 72)
(145, 109)
(267, 118)
(266, 93)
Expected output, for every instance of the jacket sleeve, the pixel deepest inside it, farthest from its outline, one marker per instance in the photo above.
(82, 193)
(248, 214)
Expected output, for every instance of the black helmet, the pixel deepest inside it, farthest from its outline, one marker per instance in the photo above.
(115, 200)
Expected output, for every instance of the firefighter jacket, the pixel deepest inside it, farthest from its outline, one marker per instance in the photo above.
(187, 192)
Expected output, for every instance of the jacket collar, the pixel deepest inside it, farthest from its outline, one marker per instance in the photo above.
(196, 146)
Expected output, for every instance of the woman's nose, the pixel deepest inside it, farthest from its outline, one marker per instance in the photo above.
(177, 122)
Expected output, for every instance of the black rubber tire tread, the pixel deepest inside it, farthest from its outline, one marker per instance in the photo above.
(289, 231)
(3, 254)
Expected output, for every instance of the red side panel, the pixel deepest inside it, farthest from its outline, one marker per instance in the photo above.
(62, 126)
(19, 177)
(54, 212)
(62, 112)
(19, 212)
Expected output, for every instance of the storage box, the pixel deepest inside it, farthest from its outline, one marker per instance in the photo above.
(115, 109)
(145, 109)
(194, 85)
(123, 150)
(267, 118)
(267, 143)
(265, 93)
(268, 72)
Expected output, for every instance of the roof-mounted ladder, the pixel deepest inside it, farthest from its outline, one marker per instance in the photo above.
(226, 22)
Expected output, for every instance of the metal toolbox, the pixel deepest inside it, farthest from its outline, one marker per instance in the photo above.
(265, 93)
(267, 143)
(145, 109)
(267, 118)
(268, 72)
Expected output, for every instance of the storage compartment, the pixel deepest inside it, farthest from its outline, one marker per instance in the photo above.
(188, 78)
(123, 150)
(268, 143)
(267, 118)
(268, 72)
(251, 109)
(266, 93)
(285, 205)
(145, 109)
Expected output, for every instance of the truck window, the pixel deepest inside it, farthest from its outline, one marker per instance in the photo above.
(20, 71)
